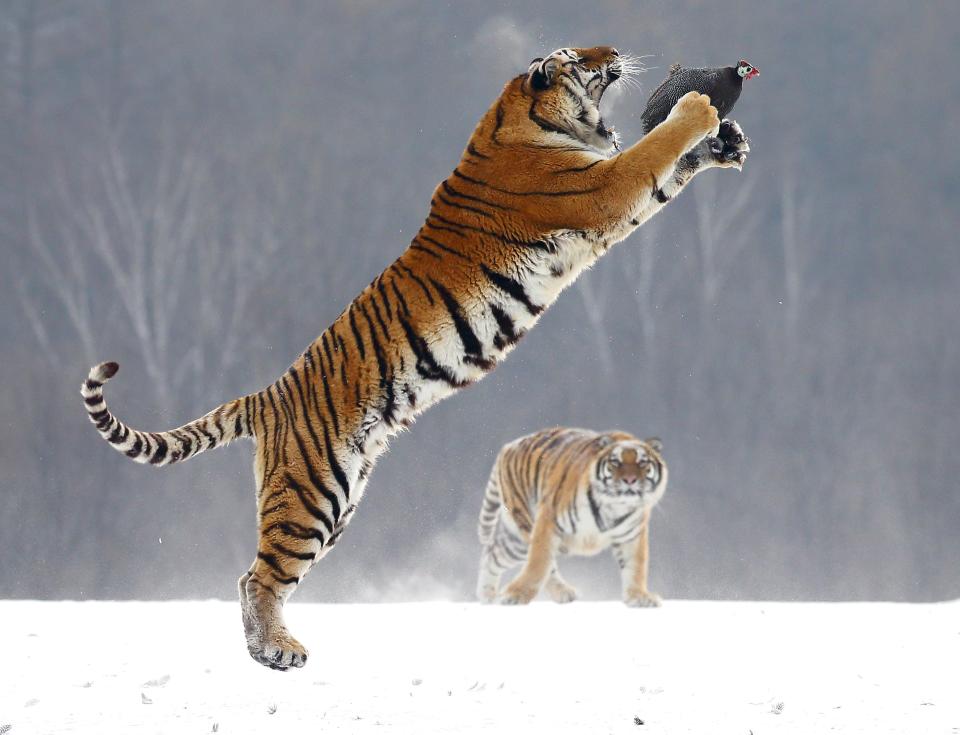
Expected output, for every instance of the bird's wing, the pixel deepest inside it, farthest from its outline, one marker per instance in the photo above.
(660, 90)
(665, 97)
(703, 79)
(727, 89)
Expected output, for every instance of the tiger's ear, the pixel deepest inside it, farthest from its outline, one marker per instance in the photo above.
(543, 72)
(603, 441)
(654, 441)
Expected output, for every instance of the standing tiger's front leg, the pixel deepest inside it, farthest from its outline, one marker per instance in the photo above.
(634, 559)
(541, 558)
(558, 588)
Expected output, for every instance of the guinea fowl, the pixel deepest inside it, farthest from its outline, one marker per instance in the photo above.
(723, 86)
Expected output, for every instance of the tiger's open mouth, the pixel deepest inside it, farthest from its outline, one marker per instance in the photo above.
(608, 75)
(567, 87)
(601, 80)
(621, 71)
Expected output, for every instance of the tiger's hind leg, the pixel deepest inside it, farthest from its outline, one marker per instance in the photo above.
(268, 640)
(263, 590)
(558, 588)
(488, 580)
(296, 530)
(493, 563)
(294, 533)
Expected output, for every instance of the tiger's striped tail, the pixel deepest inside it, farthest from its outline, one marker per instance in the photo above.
(219, 427)
(490, 511)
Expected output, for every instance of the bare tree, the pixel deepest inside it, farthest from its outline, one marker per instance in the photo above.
(645, 279)
(596, 291)
(796, 217)
(162, 252)
(724, 227)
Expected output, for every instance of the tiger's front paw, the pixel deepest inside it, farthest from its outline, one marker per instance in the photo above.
(730, 146)
(517, 594)
(695, 110)
(643, 599)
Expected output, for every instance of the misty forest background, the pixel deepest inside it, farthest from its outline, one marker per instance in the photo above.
(196, 189)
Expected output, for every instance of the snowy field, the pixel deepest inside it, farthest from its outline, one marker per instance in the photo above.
(589, 667)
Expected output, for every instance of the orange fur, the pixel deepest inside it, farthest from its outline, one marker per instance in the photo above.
(545, 498)
(535, 199)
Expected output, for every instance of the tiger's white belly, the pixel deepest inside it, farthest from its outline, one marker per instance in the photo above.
(576, 252)
(543, 277)
(542, 285)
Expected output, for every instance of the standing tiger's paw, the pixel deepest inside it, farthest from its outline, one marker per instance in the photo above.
(730, 146)
(486, 594)
(560, 591)
(280, 652)
(517, 594)
(643, 599)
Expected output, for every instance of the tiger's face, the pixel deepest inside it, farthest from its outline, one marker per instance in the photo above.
(631, 472)
(565, 90)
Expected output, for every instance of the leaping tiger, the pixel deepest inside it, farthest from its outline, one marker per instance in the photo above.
(540, 192)
(569, 491)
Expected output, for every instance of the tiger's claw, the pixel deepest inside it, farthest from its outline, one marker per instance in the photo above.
(730, 146)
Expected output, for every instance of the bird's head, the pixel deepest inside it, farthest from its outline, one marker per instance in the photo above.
(747, 70)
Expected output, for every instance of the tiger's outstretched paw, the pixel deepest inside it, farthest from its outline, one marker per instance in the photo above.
(696, 110)
(516, 594)
(643, 599)
(730, 146)
(282, 652)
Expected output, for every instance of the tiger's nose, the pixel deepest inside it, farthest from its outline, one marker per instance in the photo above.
(629, 479)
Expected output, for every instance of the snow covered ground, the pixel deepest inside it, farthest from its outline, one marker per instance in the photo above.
(440, 667)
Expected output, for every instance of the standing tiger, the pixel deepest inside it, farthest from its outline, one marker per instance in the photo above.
(569, 491)
(540, 192)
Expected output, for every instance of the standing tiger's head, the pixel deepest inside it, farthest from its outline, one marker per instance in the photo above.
(565, 90)
(629, 470)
